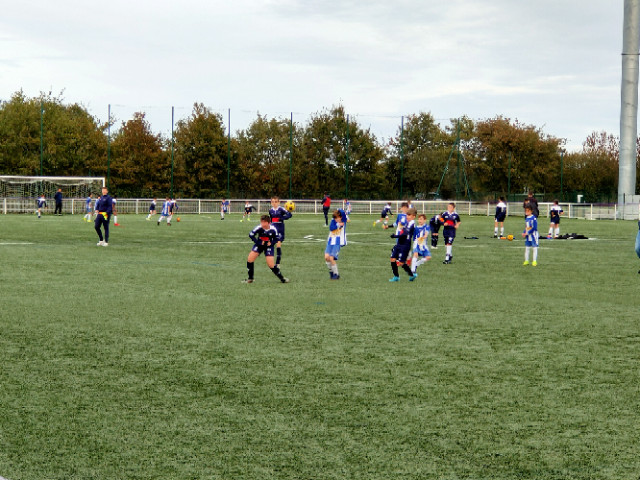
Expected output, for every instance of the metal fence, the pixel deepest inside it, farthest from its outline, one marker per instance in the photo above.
(139, 206)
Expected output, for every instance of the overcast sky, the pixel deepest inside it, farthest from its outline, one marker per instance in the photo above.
(555, 64)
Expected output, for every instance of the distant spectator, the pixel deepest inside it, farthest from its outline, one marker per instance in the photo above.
(58, 199)
(326, 205)
(531, 200)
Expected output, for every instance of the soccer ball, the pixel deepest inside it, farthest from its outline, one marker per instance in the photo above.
(510, 238)
(290, 206)
(178, 219)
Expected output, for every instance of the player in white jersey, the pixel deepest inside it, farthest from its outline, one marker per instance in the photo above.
(41, 203)
(401, 218)
(501, 214)
(554, 224)
(421, 253)
(152, 209)
(165, 213)
(530, 235)
(224, 207)
(88, 208)
(334, 242)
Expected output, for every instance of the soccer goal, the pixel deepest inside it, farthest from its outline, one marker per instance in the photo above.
(18, 194)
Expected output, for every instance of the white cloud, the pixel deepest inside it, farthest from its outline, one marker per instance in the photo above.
(546, 62)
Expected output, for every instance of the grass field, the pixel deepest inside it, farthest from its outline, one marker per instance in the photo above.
(149, 359)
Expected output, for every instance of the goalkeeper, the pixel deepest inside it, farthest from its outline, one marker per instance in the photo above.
(104, 210)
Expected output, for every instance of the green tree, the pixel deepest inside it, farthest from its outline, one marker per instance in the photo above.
(502, 150)
(264, 157)
(140, 164)
(341, 159)
(73, 140)
(201, 146)
(417, 156)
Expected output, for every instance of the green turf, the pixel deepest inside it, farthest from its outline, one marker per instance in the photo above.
(149, 359)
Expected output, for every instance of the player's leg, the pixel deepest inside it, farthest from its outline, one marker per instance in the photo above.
(502, 229)
(97, 224)
(495, 228)
(250, 265)
(449, 245)
(274, 267)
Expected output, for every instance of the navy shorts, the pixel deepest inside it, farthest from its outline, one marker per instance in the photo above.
(501, 217)
(401, 252)
(449, 235)
(280, 229)
(434, 226)
(267, 250)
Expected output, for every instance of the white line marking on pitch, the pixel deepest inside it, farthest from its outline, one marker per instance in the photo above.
(14, 243)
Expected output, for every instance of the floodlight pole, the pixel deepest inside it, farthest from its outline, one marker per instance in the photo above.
(229, 154)
(347, 164)
(108, 143)
(561, 173)
(290, 152)
(629, 100)
(401, 154)
(172, 144)
(41, 135)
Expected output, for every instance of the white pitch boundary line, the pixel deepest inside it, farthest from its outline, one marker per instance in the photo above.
(15, 243)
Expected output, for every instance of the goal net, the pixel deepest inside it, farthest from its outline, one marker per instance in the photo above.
(18, 194)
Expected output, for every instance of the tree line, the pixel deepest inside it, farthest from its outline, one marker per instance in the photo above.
(331, 153)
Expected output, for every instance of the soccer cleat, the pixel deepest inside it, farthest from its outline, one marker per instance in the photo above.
(147, 219)
(248, 280)
(100, 243)
(394, 279)
(413, 277)
(534, 264)
(285, 280)
(168, 224)
(105, 244)
(526, 262)
(549, 237)
(158, 223)
(495, 235)
(374, 224)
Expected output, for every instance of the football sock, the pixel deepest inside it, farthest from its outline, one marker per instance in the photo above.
(535, 254)
(526, 253)
(502, 232)
(495, 231)
(551, 231)
(434, 240)
(250, 270)
(414, 265)
(329, 266)
(407, 269)
(278, 255)
(558, 232)
(334, 269)
(277, 273)
(394, 268)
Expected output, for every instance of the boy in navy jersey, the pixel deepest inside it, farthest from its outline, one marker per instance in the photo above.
(152, 209)
(248, 208)
(402, 249)
(501, 214)
(434, 225)
(278, 215)
(451, 222)
(334, 243)
(530, 235)
(264, 236)
(421, 252)
(384, 216)
(554, 215)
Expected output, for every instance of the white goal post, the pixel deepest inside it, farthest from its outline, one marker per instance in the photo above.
(18, 194)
